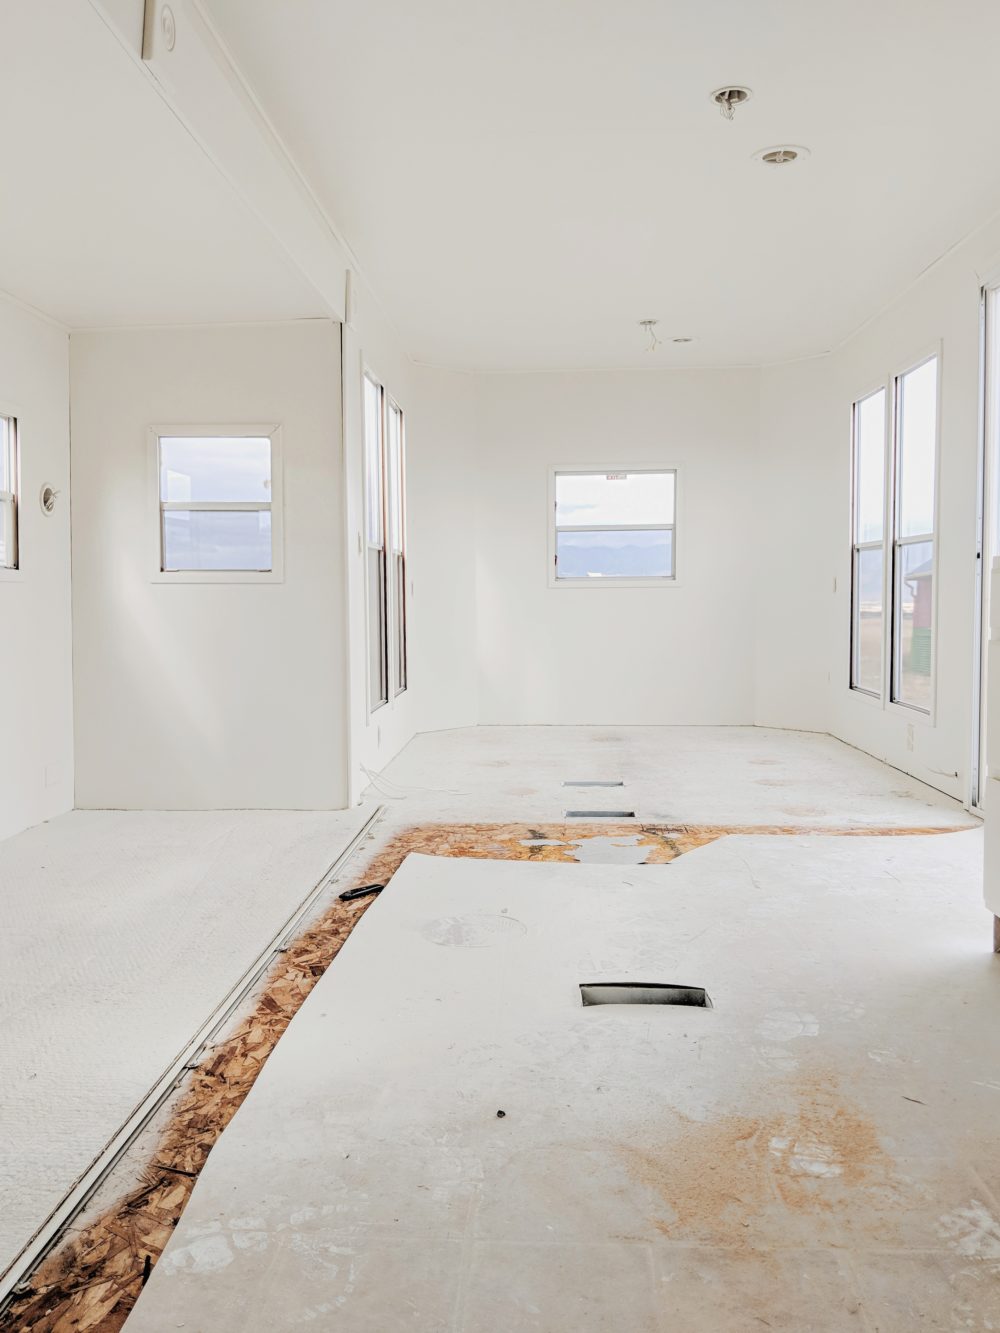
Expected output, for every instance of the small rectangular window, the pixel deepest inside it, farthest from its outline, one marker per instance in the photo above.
(215, 503)
(8, 493)
(615, 525)
(867, 590)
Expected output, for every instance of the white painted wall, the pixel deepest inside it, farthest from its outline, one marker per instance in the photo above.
(683, 654)
(805, 426)
(796, 501)
(441, 447)
(36, 775)
(210, 695)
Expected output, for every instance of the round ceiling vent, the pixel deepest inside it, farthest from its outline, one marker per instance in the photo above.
(728, 99)
(782, 155)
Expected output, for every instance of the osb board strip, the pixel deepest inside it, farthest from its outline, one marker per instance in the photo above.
(91, 1281)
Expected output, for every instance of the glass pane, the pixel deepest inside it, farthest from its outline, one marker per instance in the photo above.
(912, 631)
(395, 450)
(588, 499)
(917, 436)
(621, 555)
(377, 683)
(399, 619)
(373, 462)
(868, 621)
(869, 443)
(208, 467)
(207, 539)
(6, 534)
(7, 437)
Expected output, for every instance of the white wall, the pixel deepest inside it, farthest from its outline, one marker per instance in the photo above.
(681, 654)
(207, 695)
(797, 495)
(805, 427)
(441, 446)
(36, 777)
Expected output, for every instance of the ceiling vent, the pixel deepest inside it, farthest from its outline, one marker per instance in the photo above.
(728, 99)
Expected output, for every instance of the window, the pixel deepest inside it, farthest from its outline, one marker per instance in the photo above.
(868, 562)
(217, 500)
(913, 537)
(385, 544)
(397, 546)
(615, 526)
(8, 493)
(893, 543)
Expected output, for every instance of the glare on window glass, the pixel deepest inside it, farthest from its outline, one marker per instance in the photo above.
(206, 468)
(6, 454)
(869, 428)
(917, 436)
(232, 539)
(373, 461)
(595, 555)
(914, 623)
(600, 499)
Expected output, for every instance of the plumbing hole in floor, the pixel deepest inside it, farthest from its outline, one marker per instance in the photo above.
(631, 992)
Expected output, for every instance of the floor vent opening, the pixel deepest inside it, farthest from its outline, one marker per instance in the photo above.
(631, 992)
(600, 814)
(593, 782)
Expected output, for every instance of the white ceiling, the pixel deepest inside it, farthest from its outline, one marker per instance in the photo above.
(111, 213)
(523, 180)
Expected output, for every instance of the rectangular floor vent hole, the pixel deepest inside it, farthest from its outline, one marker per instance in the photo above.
(629, 992)
(600, 814)
(593, 782)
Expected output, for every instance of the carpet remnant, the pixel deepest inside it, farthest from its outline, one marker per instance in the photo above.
(92, 1279)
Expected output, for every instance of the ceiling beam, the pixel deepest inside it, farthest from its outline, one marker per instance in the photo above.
(186, 61)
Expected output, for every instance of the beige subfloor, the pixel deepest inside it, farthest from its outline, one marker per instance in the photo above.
(91, 892)
(818, 1151)
(121, 933)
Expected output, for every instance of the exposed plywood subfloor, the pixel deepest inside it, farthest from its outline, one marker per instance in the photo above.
(92, 1281)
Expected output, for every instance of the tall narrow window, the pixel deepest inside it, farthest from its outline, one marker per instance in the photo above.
(215, 504)
(385, 522)
(892, 545)
(397, 545)
(615, 525)
(8, 493)
(913, 535)
(868, 557)
(374, 428)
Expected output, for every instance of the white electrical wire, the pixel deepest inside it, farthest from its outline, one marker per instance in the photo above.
(402, 792)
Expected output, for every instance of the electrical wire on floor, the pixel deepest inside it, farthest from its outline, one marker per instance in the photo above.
(382, 784)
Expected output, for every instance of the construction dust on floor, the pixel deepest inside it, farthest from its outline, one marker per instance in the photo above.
(92, 1280)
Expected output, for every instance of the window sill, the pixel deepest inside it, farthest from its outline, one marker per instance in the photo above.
(11, 575)
(613, 583)
(190, 576)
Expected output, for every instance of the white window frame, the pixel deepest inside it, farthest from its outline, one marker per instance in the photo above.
(657, 581)
(881, 545)
(394, 689)
(217, 430)
(11, 500)
(892, 544)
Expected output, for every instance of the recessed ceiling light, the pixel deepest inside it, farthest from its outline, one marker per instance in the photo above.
(782, 155)
(729, 98)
